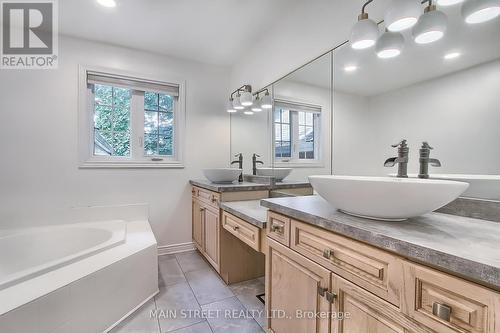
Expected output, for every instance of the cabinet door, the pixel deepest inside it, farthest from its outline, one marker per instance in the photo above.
(293, 283)
(211, 236)
(197, 224)
(366, 312)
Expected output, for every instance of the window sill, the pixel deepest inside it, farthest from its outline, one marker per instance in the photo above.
(317, 165)
(131, 165)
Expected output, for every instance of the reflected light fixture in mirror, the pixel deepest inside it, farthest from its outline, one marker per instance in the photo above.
(350, 68)
(267, 101)
(230, 106)
(236, 103)
(390, 45)
(479, 11)
(431, 26)
(365, 32)
(256, 105)
(246, 98)
(248, 113)
(452, 55)
(107, 3)
(402, 14)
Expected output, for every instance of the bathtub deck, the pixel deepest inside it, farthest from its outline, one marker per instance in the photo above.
(187, 282)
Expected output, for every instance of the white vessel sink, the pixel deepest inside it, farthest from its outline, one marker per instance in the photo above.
(222, 175)
(278, 173)
(386, 198)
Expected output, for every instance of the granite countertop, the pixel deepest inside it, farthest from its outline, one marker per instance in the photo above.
(233, 187)
(247, 186)
(250, 211)
(465, 246)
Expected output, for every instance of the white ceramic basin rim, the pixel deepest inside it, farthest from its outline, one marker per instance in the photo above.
(386, 198)
(222, 175)
(278, 173)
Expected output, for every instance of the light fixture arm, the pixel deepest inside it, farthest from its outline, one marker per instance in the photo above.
(257, 93)
(243, 88)
(363, 9)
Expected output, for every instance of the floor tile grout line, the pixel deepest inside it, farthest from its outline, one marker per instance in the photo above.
(157, 318)
(252, 317)
(191, 325)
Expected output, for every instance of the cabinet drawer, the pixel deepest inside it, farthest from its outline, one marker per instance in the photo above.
(246, 232)
(374, 270)
(278, 228)
(208, 197)
(448, 304)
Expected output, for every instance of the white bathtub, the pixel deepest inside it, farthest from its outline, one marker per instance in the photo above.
(78, 278)
(27, 253)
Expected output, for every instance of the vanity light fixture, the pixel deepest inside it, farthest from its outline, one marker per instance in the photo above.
(256, 107)
(246, 98)
(230, 106)
(107, 3)
(452, 55)
(479, 11)
(350, 68)
(236, 103)
(446, 3)
(431, 26)
(402, 14)
(248, 113)
(365, 32)
(266, 102)
(390, 45)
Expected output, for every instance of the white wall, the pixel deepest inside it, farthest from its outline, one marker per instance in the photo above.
(457, 114)
(305, 93)
(38, 141)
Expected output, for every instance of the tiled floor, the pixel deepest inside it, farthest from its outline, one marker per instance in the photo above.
(194, 299)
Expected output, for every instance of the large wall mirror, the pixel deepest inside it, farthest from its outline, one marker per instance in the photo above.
(446, 93)
(302, 120)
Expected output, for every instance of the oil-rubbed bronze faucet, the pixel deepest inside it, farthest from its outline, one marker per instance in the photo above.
(254, 163)
(239, 161)
(425, 152)
(401, 160)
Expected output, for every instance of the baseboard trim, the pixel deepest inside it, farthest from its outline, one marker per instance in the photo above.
(176, 248)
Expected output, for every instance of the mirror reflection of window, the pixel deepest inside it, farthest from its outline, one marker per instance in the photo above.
(296, 128)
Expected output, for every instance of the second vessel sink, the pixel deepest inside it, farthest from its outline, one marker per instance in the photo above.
(278, 173)
(222, 175)
(386, 198)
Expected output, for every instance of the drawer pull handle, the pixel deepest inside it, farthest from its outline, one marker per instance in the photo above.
(330, 296)
(202, 209)
(327, 253)
(236, 228)
(277, 228)
(193, 191)
(442, 311)
(214, 199)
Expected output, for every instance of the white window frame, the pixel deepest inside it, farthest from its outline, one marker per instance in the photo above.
(295, 161)
(138, 158)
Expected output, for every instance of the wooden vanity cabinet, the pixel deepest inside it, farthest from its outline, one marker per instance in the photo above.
(233, 259)
(322, 272)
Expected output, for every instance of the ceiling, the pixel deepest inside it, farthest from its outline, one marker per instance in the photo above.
(215, 31)
(477, 44)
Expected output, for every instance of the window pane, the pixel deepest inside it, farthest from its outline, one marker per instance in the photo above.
(150, 122)
(103, 95)
(102, 117)
(151, 101)
(302, 118)
(112, 121)
(285, 132)
(286, 149)
(306, 143)
(165, 145)
(277, 132)
(121, 143)
(151, 144)
(277, 115)
(309, 119)
(166, 122)
(286, 116)
(166, 102)
(121, 97)
(121, 120)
